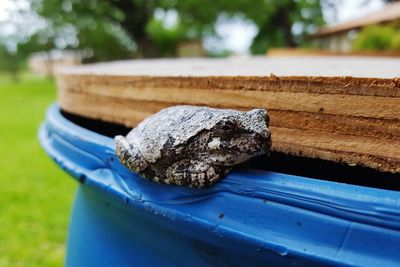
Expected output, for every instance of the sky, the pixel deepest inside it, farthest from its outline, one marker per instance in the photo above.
(7, 6)
(351, 9)
(237, 34)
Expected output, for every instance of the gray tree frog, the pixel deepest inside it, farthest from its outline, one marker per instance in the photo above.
(193, 146)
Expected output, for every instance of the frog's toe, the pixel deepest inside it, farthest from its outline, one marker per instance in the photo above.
(194, 173)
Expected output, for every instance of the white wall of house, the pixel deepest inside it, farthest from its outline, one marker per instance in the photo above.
(339, 43)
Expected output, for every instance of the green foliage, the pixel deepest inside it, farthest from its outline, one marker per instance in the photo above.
(220, 53)
(275, 19)
(166, 39)
(104, 42)
(36, 195)
(377, 38)
(124, 29)
(284, 23)
(9, 62)
(13, 61)
(261, 44)
(395, 45)
(133, 24)
(94, 24)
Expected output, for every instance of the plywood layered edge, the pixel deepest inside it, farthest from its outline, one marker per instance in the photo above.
(344, 119)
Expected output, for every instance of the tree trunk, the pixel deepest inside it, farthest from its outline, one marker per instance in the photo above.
(285, 24)
(15, 75)
(137, 15)
(147, 48)
(288, 35)
(13, 67)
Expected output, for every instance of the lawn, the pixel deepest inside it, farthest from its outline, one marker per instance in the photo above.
(35, 195)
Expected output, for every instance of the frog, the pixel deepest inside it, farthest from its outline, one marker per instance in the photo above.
(194, 146)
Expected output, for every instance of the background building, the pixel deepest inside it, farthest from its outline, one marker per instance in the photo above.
(340, 37)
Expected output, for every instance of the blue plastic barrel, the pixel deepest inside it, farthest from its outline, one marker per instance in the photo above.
(251, 218)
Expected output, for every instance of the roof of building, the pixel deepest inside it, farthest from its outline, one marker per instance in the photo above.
(390, 12)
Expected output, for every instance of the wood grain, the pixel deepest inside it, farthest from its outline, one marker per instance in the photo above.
(354, 120)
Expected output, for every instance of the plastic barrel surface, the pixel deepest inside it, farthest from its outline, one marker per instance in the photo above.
(251, 218)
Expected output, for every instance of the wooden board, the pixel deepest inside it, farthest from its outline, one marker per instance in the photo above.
(341, 109)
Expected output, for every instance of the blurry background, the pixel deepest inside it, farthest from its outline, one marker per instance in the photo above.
(94, 30)
(37, 36)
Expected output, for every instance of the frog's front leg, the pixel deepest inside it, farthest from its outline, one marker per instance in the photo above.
(194, 173)
(129, 156)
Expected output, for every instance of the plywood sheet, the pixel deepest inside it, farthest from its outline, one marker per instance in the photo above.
(341, 109)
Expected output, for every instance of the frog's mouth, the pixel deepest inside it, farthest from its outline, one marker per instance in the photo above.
(228, 159)
(235, 150)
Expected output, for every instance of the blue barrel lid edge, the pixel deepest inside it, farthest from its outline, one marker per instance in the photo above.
(290, 215)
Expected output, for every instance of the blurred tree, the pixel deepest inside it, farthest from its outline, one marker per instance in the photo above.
(378, 37)
(385, 1)
(131, 23)
(165, 38)
(12, 60)
(85, 24)
(395, 44)
(280, 22)
(8, 62)
(285, 23)
(115, 28)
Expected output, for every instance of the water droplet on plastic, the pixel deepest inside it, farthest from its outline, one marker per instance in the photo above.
(281, 250)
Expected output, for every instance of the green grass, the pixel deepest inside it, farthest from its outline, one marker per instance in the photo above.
(35, 195)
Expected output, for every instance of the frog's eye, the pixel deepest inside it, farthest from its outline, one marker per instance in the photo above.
(226, 127)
